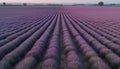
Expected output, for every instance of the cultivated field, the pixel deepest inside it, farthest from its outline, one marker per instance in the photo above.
(59, 37)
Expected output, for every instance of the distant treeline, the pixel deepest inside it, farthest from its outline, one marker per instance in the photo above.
(95, 5)
(11, 4)
(28, 4)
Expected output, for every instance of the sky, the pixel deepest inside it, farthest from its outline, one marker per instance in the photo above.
(60, 1)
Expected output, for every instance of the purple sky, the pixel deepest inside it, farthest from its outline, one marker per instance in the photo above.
(60, 1)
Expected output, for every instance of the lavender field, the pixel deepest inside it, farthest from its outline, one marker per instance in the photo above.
(59, 37)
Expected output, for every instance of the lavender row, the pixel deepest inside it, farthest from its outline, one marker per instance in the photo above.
(11, 24)
(17, 34)
(35, 53)
(16, 42)
(108, 36)
(102, 39)
(91, 56)
(51, 58)
(109, 32)
(111, 57)
(3, 36)
(73, 61)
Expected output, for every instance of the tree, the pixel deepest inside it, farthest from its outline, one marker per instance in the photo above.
(101, 3)
(24, 4)
(4, 4)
